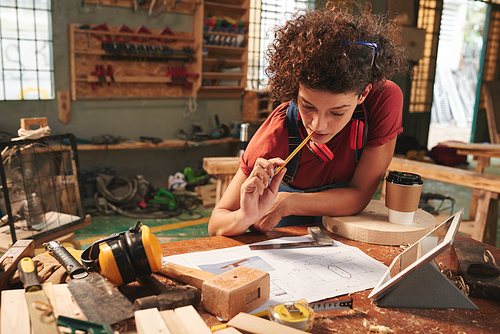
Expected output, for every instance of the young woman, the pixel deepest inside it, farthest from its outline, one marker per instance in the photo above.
(332, 68)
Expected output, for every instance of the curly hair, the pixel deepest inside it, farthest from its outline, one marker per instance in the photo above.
(308, 51)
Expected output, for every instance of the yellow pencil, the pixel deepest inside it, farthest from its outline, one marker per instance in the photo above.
(287, 160)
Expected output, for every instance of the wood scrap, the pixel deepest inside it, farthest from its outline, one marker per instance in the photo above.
(173, 322)
(191, 320)
(14, 313)
(9, 261)
(149, 321)
(249, 323)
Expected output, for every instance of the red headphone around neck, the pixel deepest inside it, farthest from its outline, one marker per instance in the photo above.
(357, 138)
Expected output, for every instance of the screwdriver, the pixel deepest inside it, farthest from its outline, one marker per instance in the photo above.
(29, 275)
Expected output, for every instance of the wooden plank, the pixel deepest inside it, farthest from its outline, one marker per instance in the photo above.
(169, 143)
(14, 313)
(472, 146)
(149, 321)
(192, 320)
(229, 330)
(491, 92)
(447, 174)
(65, 304)
(72, 71)
(11, 258)
(173, 322)
(255, 325)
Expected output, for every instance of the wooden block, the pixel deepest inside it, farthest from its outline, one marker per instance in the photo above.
(14, 313)
(191, 320)
(207, 193)
(240, 289)
(149, 321)
(63, 106)
(255, 325)
(372, 226)
(9, 261)
(221, 165)
(173, 322)
(26, 123)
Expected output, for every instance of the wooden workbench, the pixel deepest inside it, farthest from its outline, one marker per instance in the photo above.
(365, 313)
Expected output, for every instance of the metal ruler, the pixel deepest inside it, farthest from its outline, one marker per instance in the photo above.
(320, 239)
(331, 305)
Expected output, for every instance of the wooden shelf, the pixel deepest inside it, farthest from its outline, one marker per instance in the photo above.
(185, 6)
(209, 62)
(169, 143)
(220, 60)
(176, 35)
(131, 79)
(225, 49)
(223, 76)
(225, 7)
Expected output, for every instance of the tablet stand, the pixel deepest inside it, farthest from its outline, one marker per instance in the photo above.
(426, 287)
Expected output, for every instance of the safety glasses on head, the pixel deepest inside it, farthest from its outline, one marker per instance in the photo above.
(360, 54)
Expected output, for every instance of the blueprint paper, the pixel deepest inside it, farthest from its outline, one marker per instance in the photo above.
(311, 273)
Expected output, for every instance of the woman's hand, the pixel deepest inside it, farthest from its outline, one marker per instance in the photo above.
(258, 192)
(274, 215)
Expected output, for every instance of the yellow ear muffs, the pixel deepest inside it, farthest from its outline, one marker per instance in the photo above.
(152, 248)
(124, 257)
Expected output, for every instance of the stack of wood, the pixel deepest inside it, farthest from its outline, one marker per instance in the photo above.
(186, 320)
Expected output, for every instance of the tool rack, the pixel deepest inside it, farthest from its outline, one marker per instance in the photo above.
(122, 62)
(109, 62)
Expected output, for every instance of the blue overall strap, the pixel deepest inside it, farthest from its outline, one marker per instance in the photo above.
(294, 140)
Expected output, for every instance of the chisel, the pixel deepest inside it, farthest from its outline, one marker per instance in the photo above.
(40, 310)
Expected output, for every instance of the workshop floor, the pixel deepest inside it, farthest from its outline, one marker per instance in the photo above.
(190, 226)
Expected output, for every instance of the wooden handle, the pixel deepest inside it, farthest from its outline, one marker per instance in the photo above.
(194, 277)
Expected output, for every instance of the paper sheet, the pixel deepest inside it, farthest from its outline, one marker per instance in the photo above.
(311, 273)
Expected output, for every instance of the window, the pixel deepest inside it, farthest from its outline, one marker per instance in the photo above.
(26, 50)
(264, 16)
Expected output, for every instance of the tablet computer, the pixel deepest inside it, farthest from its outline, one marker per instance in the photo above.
(421, 252)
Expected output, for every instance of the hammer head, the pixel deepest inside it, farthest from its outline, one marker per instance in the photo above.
(241, 289)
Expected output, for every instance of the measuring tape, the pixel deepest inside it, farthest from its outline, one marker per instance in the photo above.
(300, 315)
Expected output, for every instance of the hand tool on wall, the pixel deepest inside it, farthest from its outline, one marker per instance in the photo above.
(240, 289)
(320, 239)
(40, 310)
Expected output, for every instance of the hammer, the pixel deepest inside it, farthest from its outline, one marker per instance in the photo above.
(240, 289)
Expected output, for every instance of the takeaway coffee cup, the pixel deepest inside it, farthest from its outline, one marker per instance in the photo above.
(402, 196)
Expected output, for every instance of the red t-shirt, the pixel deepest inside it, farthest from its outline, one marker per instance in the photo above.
(271, 140)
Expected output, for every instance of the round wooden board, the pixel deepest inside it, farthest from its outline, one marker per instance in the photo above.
(372, 226)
